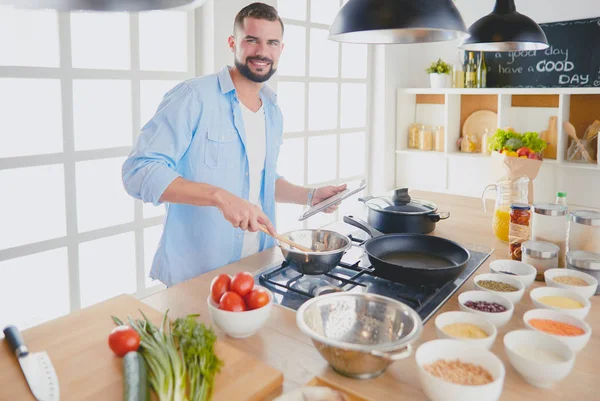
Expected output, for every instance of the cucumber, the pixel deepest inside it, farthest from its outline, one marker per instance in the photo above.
(135, 378)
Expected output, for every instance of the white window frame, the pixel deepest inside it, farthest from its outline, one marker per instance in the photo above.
(307, 79)
(67, 74)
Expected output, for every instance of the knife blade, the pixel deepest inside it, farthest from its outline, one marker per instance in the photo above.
(37, 367)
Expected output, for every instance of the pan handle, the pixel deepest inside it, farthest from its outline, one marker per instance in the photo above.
(363, 225)
(435, 217)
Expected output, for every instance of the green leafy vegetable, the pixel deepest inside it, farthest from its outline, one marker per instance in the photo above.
(532, 141)
(197, 345)
(511, 140)
(500, 138)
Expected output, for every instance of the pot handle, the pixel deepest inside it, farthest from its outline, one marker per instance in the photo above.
(394, 356)
(435, 217)
(363, 225)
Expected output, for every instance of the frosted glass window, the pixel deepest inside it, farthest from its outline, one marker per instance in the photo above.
(354, 105)
(322, 106)
(29, 38)
(291, 160)
(354, 60)
(290, 97)
(38, 284)
(101, 199)
(151, 94)
(323, 54)
(324, 11)
(293, 58)
(352, 154)
(100, 40)
(151, 239)
(106, 268)
(102, 113)
(294, 9)
(322, 160)
(287, 217)
(31, 117)
(33, 205)
(163, 41)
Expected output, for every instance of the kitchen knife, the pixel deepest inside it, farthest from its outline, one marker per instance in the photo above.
(37, 367)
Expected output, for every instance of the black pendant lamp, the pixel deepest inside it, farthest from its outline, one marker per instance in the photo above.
(505, 30)
(397, 21)
(103, 5)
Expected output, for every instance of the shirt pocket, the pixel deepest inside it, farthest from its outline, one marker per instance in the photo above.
(220, 151)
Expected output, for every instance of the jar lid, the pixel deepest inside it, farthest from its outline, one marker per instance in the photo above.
(584, 260)
(550, 209)
(540, 249)
(587, 217)
(561, 194)
(520, 206)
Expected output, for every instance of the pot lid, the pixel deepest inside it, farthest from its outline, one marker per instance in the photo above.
(400, 203)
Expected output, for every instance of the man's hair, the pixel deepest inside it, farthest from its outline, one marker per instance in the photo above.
(258, 11)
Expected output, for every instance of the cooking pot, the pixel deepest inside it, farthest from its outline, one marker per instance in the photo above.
(402, 214)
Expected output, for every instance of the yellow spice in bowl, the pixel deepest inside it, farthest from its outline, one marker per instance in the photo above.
(561, 302)
(464, 330)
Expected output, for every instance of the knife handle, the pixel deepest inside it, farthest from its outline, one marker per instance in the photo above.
(15, 341)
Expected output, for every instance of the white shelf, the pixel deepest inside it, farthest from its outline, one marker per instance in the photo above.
(417, 151)
(501, 91)
(582, 166)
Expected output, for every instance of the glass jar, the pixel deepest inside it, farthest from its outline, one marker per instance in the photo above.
(585, 262)
(425, 138)
(413, 136)
(469, 143)
(550, 225)
(518, 230)
(541, 255)
(575, 151)
(584, 231)
(439, 138)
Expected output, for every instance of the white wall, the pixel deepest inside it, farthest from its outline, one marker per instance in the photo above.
(405, 67)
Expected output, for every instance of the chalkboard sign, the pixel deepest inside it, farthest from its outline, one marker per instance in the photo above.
(572, 60)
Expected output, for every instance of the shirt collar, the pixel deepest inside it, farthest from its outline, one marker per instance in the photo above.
(226, 84)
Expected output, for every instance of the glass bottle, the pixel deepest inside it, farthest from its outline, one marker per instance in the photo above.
(485, 141)
(425, 138)
(471, 72)
(458, 76)
(481, 71)
(413, 136)
(561, 198)
(439, 138)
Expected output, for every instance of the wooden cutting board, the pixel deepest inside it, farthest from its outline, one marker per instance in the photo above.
(88, 370)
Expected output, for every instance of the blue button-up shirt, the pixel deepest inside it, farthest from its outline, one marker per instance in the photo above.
(198, 133)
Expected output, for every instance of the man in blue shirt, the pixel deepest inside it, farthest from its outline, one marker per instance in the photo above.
(210, 154)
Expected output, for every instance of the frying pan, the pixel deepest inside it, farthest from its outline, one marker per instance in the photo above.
(412, 258)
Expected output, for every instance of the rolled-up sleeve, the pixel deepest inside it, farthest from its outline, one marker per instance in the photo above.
(152, 163)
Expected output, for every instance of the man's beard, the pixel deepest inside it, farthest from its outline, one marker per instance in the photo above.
(245, 70)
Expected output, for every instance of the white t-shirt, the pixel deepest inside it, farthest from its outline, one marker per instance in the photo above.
(254, 124)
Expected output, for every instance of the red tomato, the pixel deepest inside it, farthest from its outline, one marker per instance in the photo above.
(233, 302)
(242, 283)
(257, 298)
(123, 339)
(219, 286)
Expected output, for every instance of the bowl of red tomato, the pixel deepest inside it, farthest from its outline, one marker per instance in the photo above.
(237, 306)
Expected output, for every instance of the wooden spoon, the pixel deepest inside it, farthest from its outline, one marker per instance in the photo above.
(285, 240)
(592, 130)
(571, 132)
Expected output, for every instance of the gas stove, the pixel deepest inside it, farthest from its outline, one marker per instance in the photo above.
(354, 274)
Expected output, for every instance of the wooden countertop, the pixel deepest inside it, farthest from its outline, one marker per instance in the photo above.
(281, 345)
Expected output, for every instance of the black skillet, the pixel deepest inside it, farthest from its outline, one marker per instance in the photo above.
(412, 258)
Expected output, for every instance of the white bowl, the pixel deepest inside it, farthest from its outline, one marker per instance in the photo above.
(538, 373)
(540, 292)
(585, 291)
(523, 272)
(465, 317)
(513, 296)
(438, 389)
(240, 324)
(576, 343)
(498, 319)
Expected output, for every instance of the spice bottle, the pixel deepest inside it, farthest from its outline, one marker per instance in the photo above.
(518, 229)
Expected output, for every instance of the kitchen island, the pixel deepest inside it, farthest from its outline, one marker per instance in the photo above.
(281, 345)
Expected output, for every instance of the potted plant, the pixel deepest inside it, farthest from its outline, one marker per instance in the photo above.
(439, 74)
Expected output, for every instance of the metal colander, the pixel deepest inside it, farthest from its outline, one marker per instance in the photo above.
(360, 334)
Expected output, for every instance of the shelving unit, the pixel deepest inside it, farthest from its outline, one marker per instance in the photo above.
(524, 109)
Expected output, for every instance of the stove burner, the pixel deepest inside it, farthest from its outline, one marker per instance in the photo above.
(309, 284)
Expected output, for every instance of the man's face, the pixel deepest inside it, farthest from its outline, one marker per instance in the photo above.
(257, 46)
